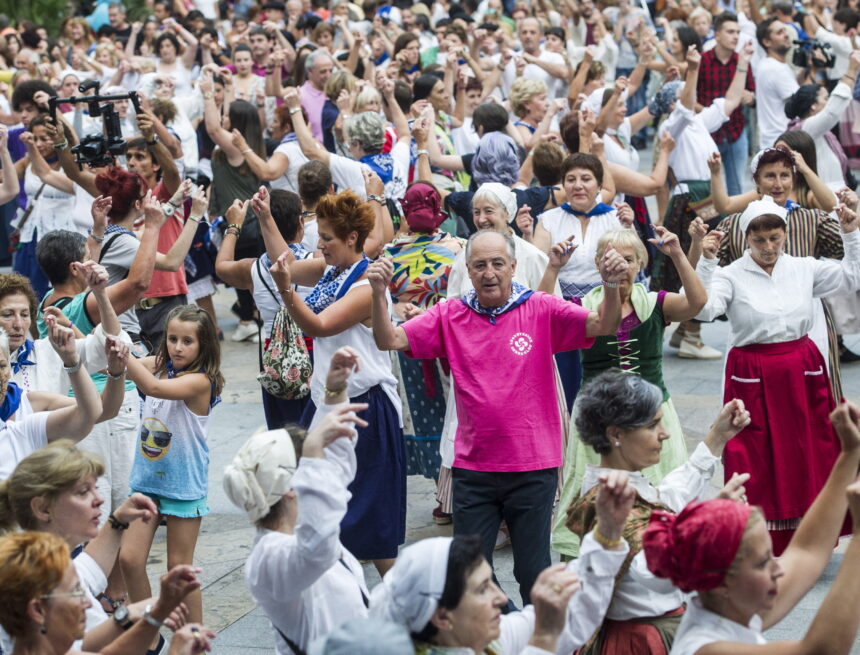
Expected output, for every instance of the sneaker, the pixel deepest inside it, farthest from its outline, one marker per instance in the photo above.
(847, 356)
(502, 540)
(690, 349)
(677, 336)
(440, 517)
(244, 332)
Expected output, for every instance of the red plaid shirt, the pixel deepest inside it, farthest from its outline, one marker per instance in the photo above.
(714, 80)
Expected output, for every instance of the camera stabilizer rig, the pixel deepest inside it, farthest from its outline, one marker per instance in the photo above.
(98, 149)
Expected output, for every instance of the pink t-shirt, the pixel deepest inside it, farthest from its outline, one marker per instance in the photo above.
(507, 405)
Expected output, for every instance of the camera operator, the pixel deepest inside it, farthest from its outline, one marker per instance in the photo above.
(775, 81)
(842, 40)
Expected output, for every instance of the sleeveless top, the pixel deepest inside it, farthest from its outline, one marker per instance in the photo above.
(50, 211)
(637, 346)
(172, 455)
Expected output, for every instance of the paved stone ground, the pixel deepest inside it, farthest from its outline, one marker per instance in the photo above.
(226, 536)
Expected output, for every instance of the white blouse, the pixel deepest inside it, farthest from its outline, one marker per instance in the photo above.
(779, 307)
(307, 582)
(693, 141)
(701, 627)
(640, 593)
(828, 169)
(580, 274)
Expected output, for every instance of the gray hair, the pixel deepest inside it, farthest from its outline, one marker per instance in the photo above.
(509, 241)
(312, 58)
(368, 129)
(496, 160)
(614, 398)
(118, 5)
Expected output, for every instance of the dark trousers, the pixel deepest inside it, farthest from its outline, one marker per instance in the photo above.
(153, 321)
(523, 500)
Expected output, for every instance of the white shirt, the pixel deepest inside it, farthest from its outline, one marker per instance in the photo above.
(347, 173)
(701, 627)
(298, 579)
(596, 568)
(556, 88)
(289, 181)
(640, 593)
(693, 140)
(774, 84)
(841, 47)
(19, 438)
(779, 307)
(817, 126)
(580, 273)
(618, 154)
(94, 581)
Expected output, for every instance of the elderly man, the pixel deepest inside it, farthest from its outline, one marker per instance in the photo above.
(499, 340)
(318, 66)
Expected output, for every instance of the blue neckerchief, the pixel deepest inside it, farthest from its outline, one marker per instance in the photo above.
(118, 229)
(11, 402)
(23, 353)
(382, 165)
(298, 249)
(289, 138)
(519, 294)
(801, 33)
(414, 69)
(334, 284)
(599, 208)
(172, 372)
(790, 205)
(527, 126)
(383, 57)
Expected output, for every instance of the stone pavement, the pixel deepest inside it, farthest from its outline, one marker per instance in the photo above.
(226, 536)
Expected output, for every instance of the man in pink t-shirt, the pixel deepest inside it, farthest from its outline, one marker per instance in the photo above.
(499, 340)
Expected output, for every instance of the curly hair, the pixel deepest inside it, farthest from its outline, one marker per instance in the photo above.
(346, 213)
(12, 283)
(523, 91)
(368, 129)
(583, 160)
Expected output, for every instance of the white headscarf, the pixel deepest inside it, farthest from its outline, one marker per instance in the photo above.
(261, 473)
(506, 198)
(759, 208)
(410, 591)
(594, 101)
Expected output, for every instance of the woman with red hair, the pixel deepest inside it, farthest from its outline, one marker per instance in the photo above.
(721, 550)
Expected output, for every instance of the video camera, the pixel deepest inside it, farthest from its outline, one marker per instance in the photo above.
(809, 54)
(98, 149)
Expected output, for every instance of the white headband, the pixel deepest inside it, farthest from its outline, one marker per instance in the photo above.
(410, 592)
(594, 101)
(261, 473)
(504, 195)
(760, 208)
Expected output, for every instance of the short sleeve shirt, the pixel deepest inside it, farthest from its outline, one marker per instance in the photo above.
(21, 438)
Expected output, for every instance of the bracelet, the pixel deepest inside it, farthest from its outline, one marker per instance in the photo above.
(115, 523)
(610, 285)
(742, 70)
(153, 142)
(379, 199)
(246, 150)
(208, 95)
(423, 151)
(345, 116)
(75, 368)
(62, 145)
(118, 376)
(147, 616)
(236, 227)
(196, 219)
(287, 290)
(295, 110)
(233, 231)
(603, 541)
(95, 238)
(333, 393)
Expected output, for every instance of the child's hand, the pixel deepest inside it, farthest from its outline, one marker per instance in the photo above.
(344, 361)
(117, 353)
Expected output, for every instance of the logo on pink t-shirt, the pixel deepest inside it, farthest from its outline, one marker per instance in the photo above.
(521, 343)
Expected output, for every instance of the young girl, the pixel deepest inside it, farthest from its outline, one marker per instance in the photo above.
(182, 383)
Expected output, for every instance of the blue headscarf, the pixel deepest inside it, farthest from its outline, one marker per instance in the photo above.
(496, 160)
(664, 98)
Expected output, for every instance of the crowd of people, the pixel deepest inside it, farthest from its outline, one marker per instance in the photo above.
(456, 234)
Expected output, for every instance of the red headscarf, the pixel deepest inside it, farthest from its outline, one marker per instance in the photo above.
(422, 208)
(695, 548)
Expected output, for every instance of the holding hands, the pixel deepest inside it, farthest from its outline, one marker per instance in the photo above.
(613, 267)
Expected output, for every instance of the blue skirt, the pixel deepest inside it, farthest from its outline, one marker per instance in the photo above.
(375, 522)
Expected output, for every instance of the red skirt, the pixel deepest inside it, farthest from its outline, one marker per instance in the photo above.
(790, 446)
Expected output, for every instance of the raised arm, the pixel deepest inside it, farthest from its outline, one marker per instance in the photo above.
(64, 137)
(99, 305)
(386, 335)
(262, 169)
(41, 168)
(688, 94)
(734, 93)
(724, 203)
(212, 117)
(236, 273)
(680, 306)
(607, 318)
(9, 188)
(383, 228)
(146, 122)
(822, 193)
(309, 145)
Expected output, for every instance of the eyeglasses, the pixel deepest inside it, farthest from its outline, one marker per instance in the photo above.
(78, 592)
(160, 437)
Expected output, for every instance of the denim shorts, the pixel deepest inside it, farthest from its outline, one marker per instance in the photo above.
(183, 509)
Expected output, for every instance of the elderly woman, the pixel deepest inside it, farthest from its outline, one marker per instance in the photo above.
(620, 416)
(721, 550)
(366, 137)
(533, 110)
(422, 257)
(777, 174)
(46, 599)
(337, 313)
(443, 591)
(307, 582)
(773, 366)
(637, 347)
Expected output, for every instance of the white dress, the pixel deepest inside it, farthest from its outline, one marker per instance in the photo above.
(51, 210)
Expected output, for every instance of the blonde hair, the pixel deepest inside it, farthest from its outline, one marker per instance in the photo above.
(106, 47)
(523, 91)
(622, 237)
(46, 474)
(367, 95)
(698, 12)
(337, 82)
(32, 564)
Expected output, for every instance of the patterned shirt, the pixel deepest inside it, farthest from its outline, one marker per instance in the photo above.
(714, 80)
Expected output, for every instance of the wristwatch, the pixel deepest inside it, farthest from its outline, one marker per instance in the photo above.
(168, 209)
(120, 615)
(155, 140)
(151, 620)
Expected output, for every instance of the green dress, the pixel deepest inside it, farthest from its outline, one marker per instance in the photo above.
(636, 347)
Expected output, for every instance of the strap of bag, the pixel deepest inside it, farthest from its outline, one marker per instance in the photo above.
(107, 244)
(29, 209)
(266, 284)
(364, 597)
(293, 645)
(672, 179)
